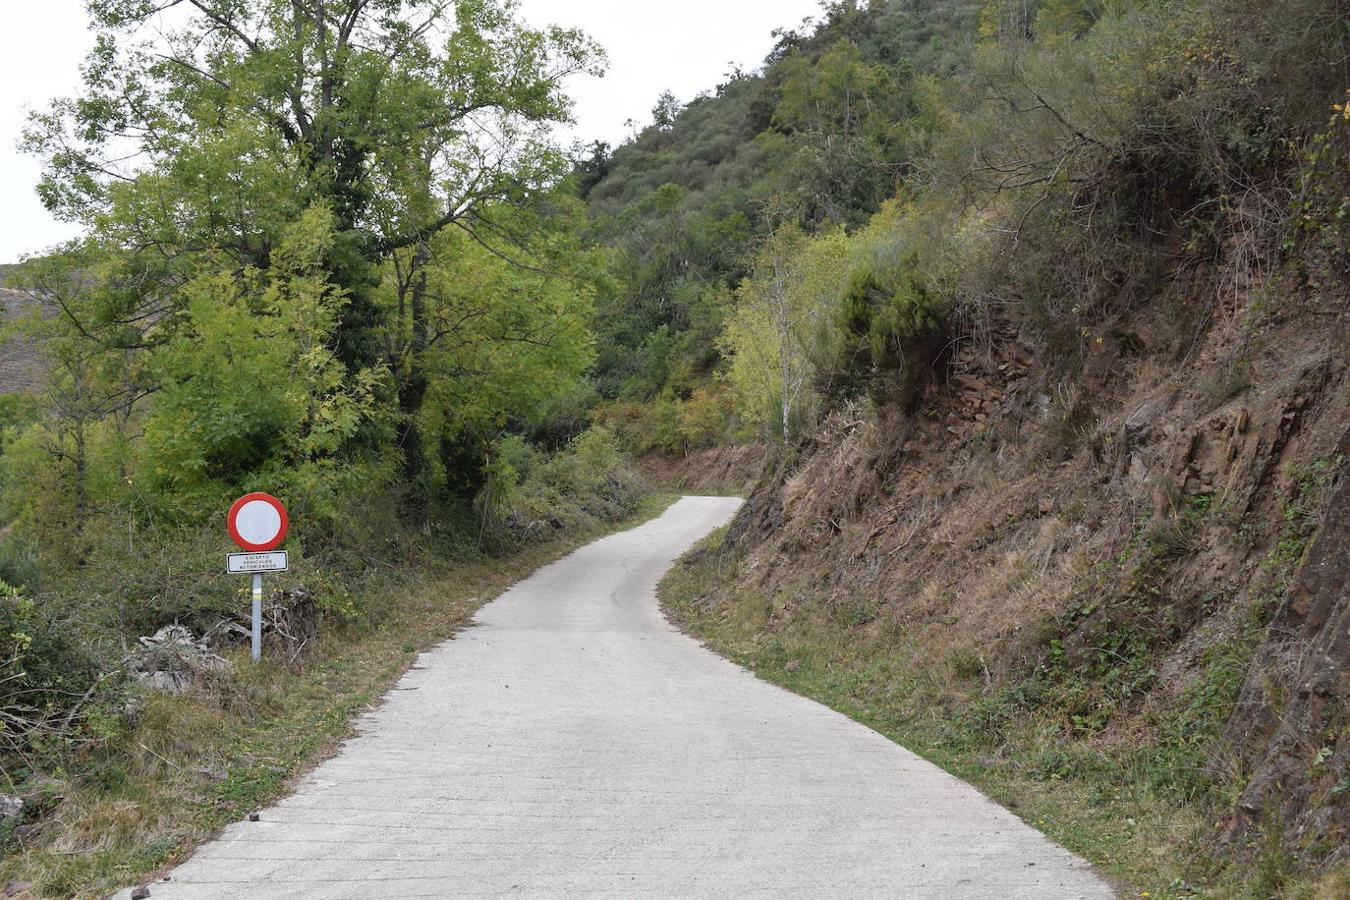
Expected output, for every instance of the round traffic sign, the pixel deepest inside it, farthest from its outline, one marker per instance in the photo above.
(258, 522)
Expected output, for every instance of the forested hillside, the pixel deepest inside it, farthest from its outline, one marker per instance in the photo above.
(816, 140)
(1030, 313)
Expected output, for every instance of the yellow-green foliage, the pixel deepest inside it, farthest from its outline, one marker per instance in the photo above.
(504, 340)
(782, 314)
(339, 296)
(250, 383)
(301, 291)
(703, 418)
(826, 316)
(528, 494)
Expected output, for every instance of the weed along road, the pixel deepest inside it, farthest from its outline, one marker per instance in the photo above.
(573, 743)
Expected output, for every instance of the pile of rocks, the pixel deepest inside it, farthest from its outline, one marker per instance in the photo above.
(172, 659)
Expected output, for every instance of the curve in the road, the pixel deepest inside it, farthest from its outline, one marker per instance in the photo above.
(574, 743)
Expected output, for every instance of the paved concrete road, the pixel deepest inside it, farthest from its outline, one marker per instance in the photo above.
(574, 744)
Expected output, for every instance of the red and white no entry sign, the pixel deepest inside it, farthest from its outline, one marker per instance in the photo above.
(258, 522)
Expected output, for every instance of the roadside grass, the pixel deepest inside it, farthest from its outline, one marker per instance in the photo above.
(1134, 805)
(194, 763)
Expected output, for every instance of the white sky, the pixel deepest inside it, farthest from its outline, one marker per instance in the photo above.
(685, 46)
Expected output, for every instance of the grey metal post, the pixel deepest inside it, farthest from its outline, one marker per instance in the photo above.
(257, 616)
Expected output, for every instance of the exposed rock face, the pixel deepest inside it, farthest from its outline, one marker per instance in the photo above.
(11, 807)
(20, 367)
(1147, 499)
(1291, 730)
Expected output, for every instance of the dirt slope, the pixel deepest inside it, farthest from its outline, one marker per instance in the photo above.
(719, 470)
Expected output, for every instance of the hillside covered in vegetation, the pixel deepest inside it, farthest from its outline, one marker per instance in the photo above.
(1051, 367)
(1030, 313)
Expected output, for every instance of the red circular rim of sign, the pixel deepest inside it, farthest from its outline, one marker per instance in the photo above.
(275, 504)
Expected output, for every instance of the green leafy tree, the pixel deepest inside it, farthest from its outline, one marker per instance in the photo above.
(480, 340)
(72, 453)
(257, 175)
(404, 117)
(250, 384)
(842, 108)
(772, 334)
(666, 111)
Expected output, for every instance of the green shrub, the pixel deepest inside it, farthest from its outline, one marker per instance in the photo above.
(894, 330)
(588, 482)
(705, 417)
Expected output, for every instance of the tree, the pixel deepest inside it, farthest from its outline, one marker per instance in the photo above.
(593, 169)
(666, 111)
(405, 117)
(95, 379)
(401, 139)
(780, 312)
(476, 339)
(255, 388)
(841, 110)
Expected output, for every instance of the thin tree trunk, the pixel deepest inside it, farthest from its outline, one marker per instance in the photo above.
(785, 366)
(413, 384)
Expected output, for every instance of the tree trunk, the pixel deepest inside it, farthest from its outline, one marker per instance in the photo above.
(413, 384)
(786, 369)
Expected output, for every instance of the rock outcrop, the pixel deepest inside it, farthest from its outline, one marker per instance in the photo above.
(20, 365)
(1291, 728)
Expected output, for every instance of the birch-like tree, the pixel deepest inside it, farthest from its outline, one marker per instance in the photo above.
(781, 311)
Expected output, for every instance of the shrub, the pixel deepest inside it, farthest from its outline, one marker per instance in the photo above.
(586, 483)
(893, 331)
(45, 673)
(704, 418)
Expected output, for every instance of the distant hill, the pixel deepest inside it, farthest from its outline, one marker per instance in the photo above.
(19, 363)
(681, 205)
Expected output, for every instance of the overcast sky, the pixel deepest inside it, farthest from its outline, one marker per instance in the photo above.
(685, 46)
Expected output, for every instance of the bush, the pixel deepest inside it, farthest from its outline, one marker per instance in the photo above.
(704, 418)
(585, 484)
(893, 332)
(19, 565)
(45, 672)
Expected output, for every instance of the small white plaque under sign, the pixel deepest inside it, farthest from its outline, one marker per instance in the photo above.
(248, 563)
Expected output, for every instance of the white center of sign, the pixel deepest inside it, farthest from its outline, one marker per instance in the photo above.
(257, 522)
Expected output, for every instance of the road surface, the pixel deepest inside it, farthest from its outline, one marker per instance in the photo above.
(574, 744)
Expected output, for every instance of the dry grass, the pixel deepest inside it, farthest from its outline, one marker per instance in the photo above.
(936, 645)
(1334, 886)
(917, 686)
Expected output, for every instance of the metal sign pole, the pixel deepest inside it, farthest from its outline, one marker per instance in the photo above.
(257, 616)
(257, 523)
